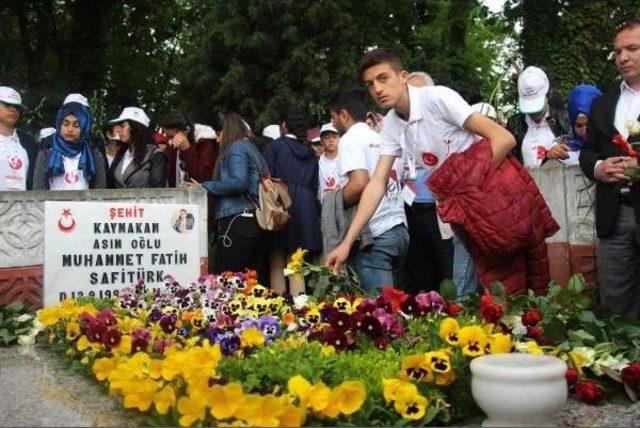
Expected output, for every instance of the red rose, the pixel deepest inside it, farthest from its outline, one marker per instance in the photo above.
(535, 332)
(453, 309)
(491, 312)
(589, 392)
(531, 317)
(631, 373)
(572, 375)
(429, 159)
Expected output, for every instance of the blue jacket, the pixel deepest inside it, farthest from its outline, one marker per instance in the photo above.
(238, 176)
(297, 165)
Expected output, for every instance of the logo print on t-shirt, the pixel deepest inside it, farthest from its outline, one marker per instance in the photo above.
(429, 159)
(71, 177)
(330, 183)
(15, 163)
(541, 153)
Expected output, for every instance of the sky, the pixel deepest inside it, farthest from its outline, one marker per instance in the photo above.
(494, 5)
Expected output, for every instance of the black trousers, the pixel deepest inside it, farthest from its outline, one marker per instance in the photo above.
(239, 245)
(430, 258)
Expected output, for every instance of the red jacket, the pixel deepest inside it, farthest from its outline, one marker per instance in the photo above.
(199, 158)
(502, 214)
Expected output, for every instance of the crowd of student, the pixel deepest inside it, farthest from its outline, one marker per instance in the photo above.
(436, 189)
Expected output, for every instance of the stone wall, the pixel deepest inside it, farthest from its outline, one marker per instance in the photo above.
(571, 198)
(22, 236)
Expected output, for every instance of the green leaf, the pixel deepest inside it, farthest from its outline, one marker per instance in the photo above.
(497, 289)
(430, 414)
(448, 290)
(14, 308)
(583, 302)
(576, 284)
(633, 173)
(580, 337)
(555, 330)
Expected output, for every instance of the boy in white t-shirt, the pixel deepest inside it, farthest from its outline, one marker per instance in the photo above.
(359, 154)
(330, 179)
(429, 124)
(17, 153)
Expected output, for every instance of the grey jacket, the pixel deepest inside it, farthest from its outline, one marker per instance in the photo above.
(41, 180)
(150, 173)
(335, 221)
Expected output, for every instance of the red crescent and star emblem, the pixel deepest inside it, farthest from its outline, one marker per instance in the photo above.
(429, 159)
(66, 222)
(71, 177)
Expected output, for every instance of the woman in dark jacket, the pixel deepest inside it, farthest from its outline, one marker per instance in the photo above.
(139, 163)
(71, 163)
(292, 160)
(235, 184)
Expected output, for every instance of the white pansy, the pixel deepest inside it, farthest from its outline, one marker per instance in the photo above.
(288, 272)
(610, 362)
(300, 301)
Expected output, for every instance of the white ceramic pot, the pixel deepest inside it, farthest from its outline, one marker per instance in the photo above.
(519, 390)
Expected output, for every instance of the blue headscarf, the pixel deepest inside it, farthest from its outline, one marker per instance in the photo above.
(580, 100)
(69, 149)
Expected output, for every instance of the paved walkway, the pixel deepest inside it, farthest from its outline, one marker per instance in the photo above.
(37, 389)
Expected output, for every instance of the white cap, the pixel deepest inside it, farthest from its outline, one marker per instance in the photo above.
(533, 86)
(271, 131)
(46, 132)
(328, 127)
(132, 113)
(485, 109)
(76, 98)
(10, 96)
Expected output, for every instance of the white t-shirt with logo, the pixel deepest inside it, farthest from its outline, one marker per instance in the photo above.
(72, 178)
(360, 149)
(536, 142)
(14, 163)
(329, 177)
(433, 132)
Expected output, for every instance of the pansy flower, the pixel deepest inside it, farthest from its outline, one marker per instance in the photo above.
(416, 368)
(439, 361)
(473, 340)
(449, 331)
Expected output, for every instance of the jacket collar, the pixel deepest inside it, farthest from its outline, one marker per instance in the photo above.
(415, 106)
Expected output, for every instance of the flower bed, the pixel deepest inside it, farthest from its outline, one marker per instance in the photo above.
(225, 350)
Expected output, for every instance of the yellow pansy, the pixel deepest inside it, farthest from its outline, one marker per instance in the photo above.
(292, 416)
(225, 400)
(349, 396)
(192, 408)
(251, 337)
(125, 344)
(49, 316)
(128, 324)
(261, 411)
(472, 340)
(319, 397)
(417, 368)
(73, 330)
(83, 343)
(439, 361)
(328, 350)
(391, 388)
(140, 394)
(102, 367)
(445, 379)
(164, 399)
(582, 356)
(449, 329)
(499, 343)
(411, 407)
(299, 387)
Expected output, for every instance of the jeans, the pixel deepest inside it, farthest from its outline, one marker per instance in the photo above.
(377, 264)
(429, 258)
(464, 270)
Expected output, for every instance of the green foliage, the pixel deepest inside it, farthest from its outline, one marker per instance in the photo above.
(15, 320)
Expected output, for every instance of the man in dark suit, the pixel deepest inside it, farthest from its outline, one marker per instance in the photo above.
(617, 199)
